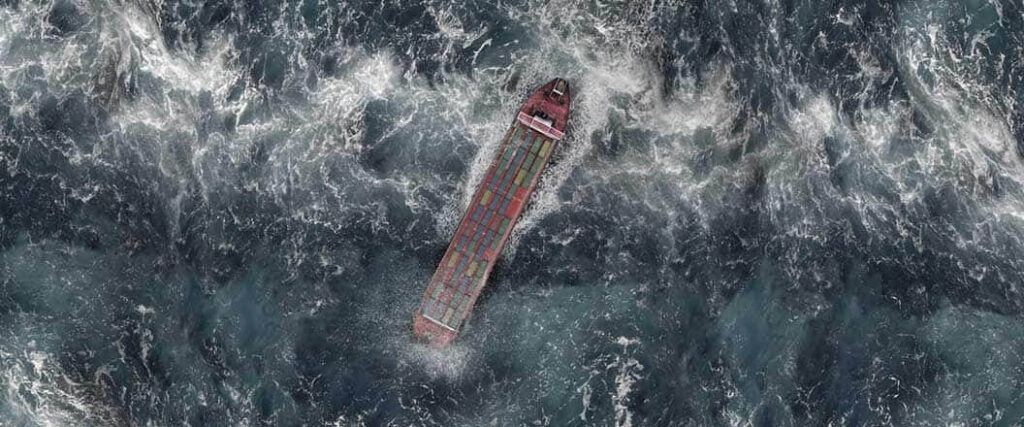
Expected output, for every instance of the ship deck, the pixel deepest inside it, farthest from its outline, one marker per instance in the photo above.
(484, 230)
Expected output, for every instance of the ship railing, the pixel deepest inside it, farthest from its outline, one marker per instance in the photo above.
(438, 322)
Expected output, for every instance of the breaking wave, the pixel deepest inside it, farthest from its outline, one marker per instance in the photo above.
(224, 213)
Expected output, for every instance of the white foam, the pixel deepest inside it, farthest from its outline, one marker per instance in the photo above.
(35, 390)
(448, 363)
(627, 375)
(602, 71)
(973, 140)
(143, 310)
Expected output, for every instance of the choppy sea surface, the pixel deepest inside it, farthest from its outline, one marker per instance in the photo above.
(765, 212)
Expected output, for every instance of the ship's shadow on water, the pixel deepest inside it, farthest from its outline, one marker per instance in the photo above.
(794, 213)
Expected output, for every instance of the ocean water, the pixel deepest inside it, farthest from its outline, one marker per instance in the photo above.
(765, 212)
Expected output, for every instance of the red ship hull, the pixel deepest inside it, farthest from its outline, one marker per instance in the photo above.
(496, 207)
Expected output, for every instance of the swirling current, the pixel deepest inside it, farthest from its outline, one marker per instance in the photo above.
(765, 212)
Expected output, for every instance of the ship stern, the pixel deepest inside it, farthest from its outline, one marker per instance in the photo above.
(430, 331)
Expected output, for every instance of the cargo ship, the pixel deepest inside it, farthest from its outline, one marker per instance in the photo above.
(496, 206)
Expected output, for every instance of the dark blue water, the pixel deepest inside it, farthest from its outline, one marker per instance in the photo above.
(765, 213)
